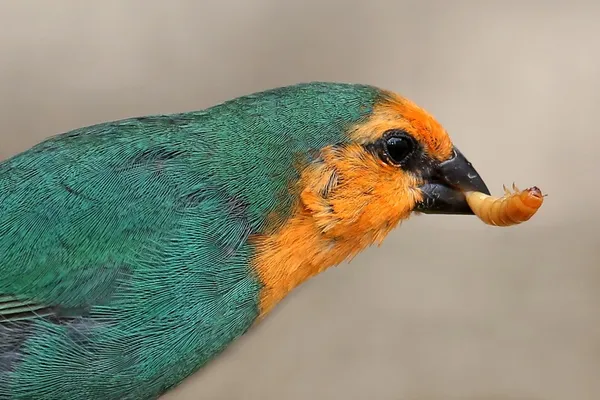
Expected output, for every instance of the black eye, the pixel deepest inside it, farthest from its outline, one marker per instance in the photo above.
(399, 147)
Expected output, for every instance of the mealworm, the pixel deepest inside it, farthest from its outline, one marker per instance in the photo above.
(511, 209)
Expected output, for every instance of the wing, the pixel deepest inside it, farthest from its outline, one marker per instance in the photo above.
(124, 262)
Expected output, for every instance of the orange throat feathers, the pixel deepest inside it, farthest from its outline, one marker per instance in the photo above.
(346, 203)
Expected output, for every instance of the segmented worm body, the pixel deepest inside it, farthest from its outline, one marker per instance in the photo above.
(511, 209)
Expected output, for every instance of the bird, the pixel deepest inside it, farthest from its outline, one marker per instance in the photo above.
(133, 252)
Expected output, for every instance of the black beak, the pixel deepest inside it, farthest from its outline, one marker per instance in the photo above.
(444, 187)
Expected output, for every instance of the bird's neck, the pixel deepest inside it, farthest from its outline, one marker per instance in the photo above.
(295, 254)
(343, 208)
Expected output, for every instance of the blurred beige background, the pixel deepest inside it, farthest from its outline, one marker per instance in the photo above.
(447, 308)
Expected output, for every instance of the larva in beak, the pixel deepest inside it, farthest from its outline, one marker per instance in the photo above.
(511, 209)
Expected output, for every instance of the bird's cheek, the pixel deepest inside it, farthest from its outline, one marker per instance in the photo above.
(388, 205)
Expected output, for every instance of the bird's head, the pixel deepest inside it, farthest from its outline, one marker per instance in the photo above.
(397, 160)
(365, 159)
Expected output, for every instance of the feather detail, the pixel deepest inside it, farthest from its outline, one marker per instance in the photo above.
(12, 309)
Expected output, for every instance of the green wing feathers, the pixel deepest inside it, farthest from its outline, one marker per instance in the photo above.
(117, 269)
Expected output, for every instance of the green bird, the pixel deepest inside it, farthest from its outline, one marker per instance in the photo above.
(133, 252)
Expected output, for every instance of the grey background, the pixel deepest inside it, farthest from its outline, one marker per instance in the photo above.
(447, 308)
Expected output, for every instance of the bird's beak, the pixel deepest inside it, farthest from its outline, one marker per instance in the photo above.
(444, 186)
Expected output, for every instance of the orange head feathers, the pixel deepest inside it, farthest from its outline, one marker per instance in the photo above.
(395, 112)
(398, 160)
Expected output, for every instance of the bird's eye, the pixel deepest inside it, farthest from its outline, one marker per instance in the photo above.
(398, 147)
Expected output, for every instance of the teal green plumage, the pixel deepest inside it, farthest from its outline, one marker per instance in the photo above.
(124, 252)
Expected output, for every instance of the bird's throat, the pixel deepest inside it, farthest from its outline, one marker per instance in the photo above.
(294, 254)
(332, 222)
